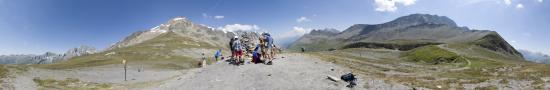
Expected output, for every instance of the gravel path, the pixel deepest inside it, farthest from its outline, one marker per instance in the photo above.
(295, 72)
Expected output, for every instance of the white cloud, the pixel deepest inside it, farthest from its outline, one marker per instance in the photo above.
(300, 30)
(519, 6)
(508, 2)
(385, 5)
(390, 5)
(296, 31)
(540, 1)
(238, 27)
(302, 19)
(219, 17)
(406, 2)
(206, 16)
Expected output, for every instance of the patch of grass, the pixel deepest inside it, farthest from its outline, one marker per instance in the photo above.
(432, 55)
(317, 44)
(3, 72)
(486, 88)
(69, 84)
(169, 66)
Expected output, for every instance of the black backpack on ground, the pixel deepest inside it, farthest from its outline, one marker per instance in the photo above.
(349, 78)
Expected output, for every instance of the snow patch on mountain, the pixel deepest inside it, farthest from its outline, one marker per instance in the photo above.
(179, 18)
(160, 29)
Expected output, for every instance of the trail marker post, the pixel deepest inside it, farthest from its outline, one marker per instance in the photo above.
(124, 62)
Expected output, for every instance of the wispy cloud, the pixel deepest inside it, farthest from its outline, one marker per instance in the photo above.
(391, 5)
(206, 16)
(296, 31)
(302, 19)
(238, 27)
(519, 6)
(507, 2)
(219, 17)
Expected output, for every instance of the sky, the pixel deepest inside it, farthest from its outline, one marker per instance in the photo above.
(39, 26)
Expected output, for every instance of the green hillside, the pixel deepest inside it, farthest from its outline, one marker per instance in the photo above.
(156, 52)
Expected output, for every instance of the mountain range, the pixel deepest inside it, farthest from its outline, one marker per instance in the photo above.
(409, 32)
(48, 57)
(178, 43)
(535, 56)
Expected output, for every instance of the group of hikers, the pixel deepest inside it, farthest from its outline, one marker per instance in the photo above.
(262, 49)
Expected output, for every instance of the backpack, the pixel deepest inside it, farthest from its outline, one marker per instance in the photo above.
(236, 45)
(349, 78)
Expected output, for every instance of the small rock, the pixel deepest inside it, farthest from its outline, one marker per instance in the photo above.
(332, 78)
(269, 75)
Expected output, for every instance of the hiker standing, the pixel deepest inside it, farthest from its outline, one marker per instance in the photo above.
(237, 50)
(268, 40)
(262, 45)
(203, 60)
(231, 47)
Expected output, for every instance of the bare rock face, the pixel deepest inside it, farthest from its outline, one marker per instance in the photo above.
(45, 58)
(74, 52)
(412, 30)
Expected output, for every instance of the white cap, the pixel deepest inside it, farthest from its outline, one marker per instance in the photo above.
(236, 36)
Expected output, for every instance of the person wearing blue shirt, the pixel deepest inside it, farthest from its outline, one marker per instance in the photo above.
(218, 54)
(256, 57)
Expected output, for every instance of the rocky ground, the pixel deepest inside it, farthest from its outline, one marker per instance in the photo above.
(294, 71)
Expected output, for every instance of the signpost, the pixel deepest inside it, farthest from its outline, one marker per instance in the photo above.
(124, 62)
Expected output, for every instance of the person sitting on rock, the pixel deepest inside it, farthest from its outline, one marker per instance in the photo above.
(256, 56)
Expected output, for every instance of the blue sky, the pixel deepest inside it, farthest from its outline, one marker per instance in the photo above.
(37, 26)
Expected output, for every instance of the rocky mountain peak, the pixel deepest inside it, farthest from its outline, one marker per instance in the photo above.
(416, 19)
(79, 51)
(326, 31)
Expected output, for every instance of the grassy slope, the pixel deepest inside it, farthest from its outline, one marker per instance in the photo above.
(69, 84)
(483, 66)
(3, 72)
(432, 55)
(320, 44)
(156, 51)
